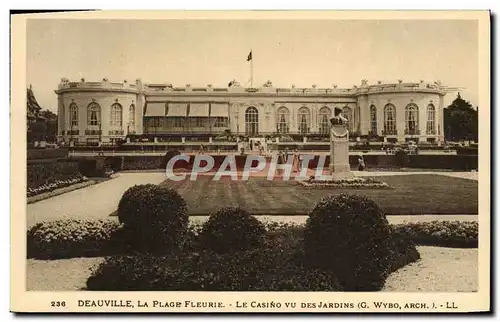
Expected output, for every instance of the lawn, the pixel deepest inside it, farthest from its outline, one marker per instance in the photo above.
(414, 194)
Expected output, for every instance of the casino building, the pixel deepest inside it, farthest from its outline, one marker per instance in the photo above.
(104, 112)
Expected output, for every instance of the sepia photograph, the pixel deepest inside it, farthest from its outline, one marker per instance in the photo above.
(173, 161)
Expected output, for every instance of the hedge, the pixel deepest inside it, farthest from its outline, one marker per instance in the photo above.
(280, 265)
(270, 269)
(449, 162)
(66, 238)
(48, 244)
(441, 233)
(142, 162)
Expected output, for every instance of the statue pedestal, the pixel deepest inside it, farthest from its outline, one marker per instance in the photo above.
(339, 153)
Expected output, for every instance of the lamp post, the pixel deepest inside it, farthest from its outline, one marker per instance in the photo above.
(100, 132)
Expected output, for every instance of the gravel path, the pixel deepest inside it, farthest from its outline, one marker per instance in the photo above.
(465, 175)
(59, 275)
(439, 270)
(91, 202)
(392, 219)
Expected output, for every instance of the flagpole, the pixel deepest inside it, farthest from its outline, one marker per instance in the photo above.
(251, 71)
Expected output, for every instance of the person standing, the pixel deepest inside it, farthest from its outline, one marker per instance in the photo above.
(361, 163)
(296, 161)
(281, 160)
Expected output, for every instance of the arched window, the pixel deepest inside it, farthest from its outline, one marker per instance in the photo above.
(94, 113)
(283, 121)
(390, 119)
(251, 121)
(347, 113)
(73, 114)
(304, 120)
(131, 115)
(116, 115)
(411, 119)
(431, 119)
(373, 120)
(324, 120)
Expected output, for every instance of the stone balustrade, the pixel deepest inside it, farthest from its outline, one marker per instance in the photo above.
(364, 89)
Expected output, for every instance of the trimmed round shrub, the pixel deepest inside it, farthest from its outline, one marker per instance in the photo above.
(350, 235)
(402, 158)
(67, 238)
(232, 229)
(404, 251)
(154, 217)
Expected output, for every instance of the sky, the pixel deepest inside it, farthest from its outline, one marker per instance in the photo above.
(299, 52)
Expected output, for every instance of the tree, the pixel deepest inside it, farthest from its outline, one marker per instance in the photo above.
(460, 121)
(48, 115)
(41, 124)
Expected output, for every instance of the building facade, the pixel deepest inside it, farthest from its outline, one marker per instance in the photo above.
(106, 111)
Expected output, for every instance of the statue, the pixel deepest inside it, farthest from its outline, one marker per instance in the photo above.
(338, 118)
(339, 146)
(268, 84)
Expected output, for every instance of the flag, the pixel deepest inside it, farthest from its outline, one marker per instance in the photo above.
(249, 58)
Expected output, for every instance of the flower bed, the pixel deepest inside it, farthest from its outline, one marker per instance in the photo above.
(57, 184)
(59, 191)
(355, 183)
(46, 177)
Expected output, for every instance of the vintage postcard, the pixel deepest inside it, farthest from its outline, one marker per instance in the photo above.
(251, 161)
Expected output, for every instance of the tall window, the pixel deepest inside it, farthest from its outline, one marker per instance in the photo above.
(94, 113)
(411, 119)
(251, 121)
(389, 119)
(304, 120)
(73, 114)
(116, 115)
(431, 119)
(131, 115)
(347, 113)
(283, 120)
(373, 120)
(324, 120)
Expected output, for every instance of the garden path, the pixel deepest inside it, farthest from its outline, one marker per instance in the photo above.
(96, 201)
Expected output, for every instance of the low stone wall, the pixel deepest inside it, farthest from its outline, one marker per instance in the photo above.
(47, 153)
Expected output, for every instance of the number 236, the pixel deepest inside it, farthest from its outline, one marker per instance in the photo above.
(58, 304)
